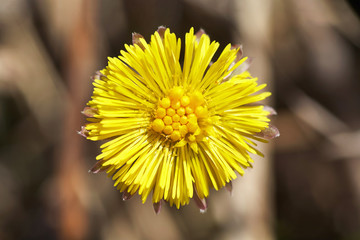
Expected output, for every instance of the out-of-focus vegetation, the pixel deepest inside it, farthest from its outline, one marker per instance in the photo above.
(307, 186)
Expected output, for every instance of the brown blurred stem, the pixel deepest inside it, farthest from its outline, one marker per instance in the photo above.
(78, 64)
(251, 202)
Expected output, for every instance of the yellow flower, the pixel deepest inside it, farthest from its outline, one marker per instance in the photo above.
(175, 129)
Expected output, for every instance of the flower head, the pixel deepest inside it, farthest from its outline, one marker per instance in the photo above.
(174, 129)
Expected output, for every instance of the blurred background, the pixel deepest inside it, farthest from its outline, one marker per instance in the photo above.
(306, 187)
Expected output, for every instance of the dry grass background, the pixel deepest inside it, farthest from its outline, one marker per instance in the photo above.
(307, 186)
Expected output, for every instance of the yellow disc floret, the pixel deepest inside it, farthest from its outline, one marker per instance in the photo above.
(185, 100)
(175, 135)
(176, 125)
(165, 102)
(189, 110)
(201, 111)
(184, 120)
(168, 130)
(160, 112)
(180, 111)
(167, 120)
(176, 93)
(170, 112)
(177, 115)
(176, 118)
(183, 130)
(158, 125)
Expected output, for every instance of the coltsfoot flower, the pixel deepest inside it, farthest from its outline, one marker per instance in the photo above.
(174, 129)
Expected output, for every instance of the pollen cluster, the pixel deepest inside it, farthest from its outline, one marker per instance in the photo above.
(177, 115)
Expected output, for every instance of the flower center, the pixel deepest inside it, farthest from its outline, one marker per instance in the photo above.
(178, 114)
